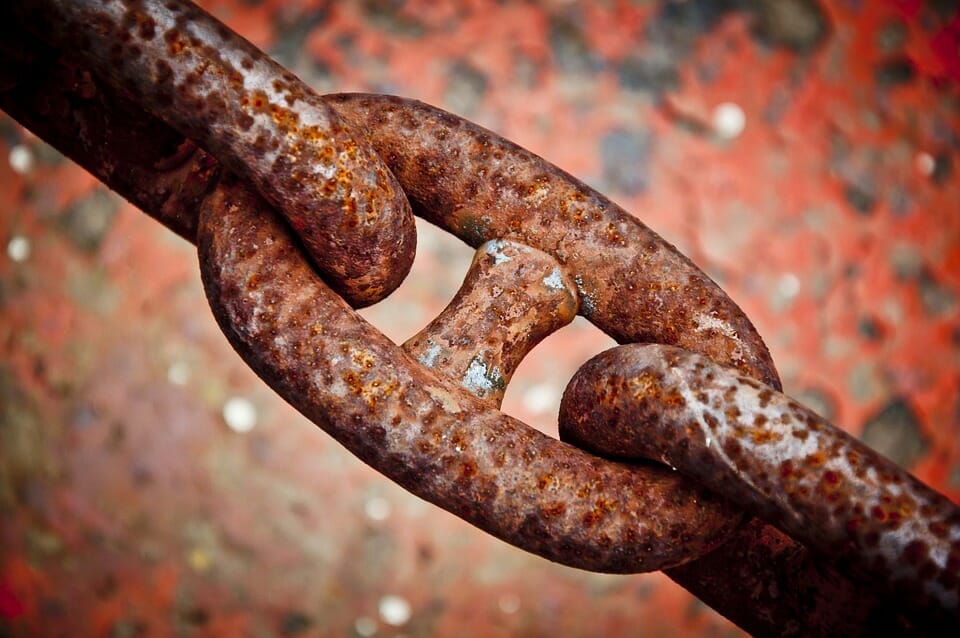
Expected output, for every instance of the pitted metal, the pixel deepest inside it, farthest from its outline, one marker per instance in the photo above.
(264, 124)
(773, 457)
(222, 119)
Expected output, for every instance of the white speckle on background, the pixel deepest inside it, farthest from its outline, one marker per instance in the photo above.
(178, 373)
(394, 610)
(540, 398)
(365, 626)
(509, 603)
(18, 248)
(240, 414)
(926, 164)
(377, 508)
(788, 285)
(21, 159)
(729, 120)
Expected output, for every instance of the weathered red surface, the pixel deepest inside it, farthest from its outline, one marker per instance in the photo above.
(831, 219)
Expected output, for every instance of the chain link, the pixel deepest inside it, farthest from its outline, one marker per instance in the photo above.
(773, 457)
(232, 137)
(261, 121)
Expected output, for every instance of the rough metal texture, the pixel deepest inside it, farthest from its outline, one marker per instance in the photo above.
(511, 299)
(761, 580)
(259, 119)
(136, 154)
(633, 285)
(775, 458)
(428, 434)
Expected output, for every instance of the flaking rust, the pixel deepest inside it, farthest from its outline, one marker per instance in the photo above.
(429, 433)
(260, 120)
(775, 458)
(761, 579)
(632, 284)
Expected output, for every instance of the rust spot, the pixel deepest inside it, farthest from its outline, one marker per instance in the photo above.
(953, 559)
(815, 459)
(244, 121)
(733, 449)
(554, 511)
(764, 397)
(763, 436)
(786, 469)
(174, 40)
(468, 470)
(711, 421)
(147, 28)
(938, 529)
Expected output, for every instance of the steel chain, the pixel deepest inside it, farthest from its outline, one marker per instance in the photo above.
(425, 414)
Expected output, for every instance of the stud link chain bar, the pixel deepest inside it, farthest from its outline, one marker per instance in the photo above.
(202, 131)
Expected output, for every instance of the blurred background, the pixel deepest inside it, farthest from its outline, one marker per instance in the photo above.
(804, 154)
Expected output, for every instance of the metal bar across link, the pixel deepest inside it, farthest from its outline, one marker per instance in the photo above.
(202, 131)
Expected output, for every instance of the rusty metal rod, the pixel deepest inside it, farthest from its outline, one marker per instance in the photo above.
(776, 459)
(185, 67)
(762, 581)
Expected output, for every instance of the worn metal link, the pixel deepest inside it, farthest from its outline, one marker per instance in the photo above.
(258, 119)
(230, 139)
(511, 299)
(775, 458)
(432, 436)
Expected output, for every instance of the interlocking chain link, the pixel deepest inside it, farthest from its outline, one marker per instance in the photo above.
(260, 121)
(773, 457)
(425, 414)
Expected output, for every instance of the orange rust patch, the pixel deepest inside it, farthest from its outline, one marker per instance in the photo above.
(765, 436)
(815, 459)
(175, 43)
(553, 511)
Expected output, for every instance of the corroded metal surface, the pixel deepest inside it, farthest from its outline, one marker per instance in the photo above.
(138, 155)
(477, 185)
(428, 434)
(259, 119)
(511, 299)
(635, 287)
(774, 457)
(466, 224)
(765, 560)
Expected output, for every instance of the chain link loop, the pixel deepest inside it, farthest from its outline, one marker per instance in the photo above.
(232, 138)
(773, 457)
(259, 120)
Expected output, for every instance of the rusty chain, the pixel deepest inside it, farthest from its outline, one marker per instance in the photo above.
(201, 130)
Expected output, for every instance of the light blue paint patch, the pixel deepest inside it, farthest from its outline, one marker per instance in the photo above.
(429, 358)
(495, 249)
(554, 280)
(480, 379)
